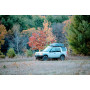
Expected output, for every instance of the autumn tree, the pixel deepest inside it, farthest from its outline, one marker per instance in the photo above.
(41, 38)
(29, 31)
(2, 34)
(50, 38)
(37, 41)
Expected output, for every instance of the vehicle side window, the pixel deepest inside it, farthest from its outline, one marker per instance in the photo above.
(53, 50)
(57, 50)
(63, 48)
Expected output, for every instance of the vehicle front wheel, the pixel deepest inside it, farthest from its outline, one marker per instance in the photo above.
(38, 58)
(62, 57)
(45, 58)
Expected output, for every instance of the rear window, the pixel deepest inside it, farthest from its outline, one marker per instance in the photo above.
(63, 48)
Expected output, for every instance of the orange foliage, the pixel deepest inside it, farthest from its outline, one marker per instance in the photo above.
(50, 38)
(29, 31)
(2, 34)
(37, 40)
(40, 38)
(67, 22)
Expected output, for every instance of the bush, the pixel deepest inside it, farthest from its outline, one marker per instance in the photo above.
(4, 66)
(29, 53)
(11, 53)
(2, 56)
(1, 53)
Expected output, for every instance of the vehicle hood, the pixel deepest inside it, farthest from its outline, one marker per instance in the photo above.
(39, 53)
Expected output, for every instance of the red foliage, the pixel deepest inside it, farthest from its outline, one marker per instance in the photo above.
(37, 40)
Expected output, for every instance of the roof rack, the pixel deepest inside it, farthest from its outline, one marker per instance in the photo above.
(57, 45)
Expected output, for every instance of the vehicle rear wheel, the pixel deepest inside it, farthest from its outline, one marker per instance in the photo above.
(62, 57)
(45, 58)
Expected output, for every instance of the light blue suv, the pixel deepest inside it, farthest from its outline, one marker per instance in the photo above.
(55, 50)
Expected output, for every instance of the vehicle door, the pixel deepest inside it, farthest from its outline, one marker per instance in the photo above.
(57, 52)
(52, 52)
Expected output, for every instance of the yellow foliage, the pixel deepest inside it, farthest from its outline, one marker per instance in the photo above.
(48, 32)
(29, 31)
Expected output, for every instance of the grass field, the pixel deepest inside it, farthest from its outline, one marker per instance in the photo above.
(31, 66)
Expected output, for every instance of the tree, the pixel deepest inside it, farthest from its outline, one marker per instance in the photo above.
(50, 18)
(57, 30)
(78, 30)
(29, 31)
(25, 21)
(50, 38)
(2, 34)
(18, 41)
(56, 18)
(37, 41)
(38, 21)
(41, 38)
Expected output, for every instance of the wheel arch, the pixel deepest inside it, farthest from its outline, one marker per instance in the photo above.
(45, 55)
(62, 55)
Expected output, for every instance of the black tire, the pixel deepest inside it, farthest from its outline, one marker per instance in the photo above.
(62, 57)
(38, 58)
(45, 58)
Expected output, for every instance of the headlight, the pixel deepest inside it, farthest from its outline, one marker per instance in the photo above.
(36, 53)
(41, 54)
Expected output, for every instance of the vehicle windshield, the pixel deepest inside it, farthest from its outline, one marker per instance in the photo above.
(47, 49)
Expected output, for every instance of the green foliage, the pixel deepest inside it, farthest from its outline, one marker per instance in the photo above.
(10, 20)
(1, 53)
(11, 53)
(2, 56)
(25, 21)
(4, 66)
(29, 53)
(50, 18)
(79, 34)
(38, 21)
(56, 18)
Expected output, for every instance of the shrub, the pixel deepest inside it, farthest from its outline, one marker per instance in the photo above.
(29, 53)
(2, 56)
(1, 53)
(11, 53)
(4, 66)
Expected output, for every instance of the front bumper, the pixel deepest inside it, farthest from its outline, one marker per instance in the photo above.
(39, 56)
